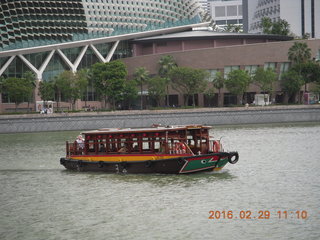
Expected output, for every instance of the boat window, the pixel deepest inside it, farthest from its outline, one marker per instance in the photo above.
(147, 142)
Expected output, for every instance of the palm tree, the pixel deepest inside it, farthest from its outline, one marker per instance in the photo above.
(31, 80)
(166, 64)
(218, 83)
(299, 54)
(141, 76)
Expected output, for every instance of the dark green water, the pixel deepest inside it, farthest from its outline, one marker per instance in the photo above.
(278, 170)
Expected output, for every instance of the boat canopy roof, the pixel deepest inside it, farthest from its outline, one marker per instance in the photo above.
(154, 128)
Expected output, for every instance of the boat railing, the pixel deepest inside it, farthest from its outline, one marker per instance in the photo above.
(74, 149)
(180, 148)
(215, 146)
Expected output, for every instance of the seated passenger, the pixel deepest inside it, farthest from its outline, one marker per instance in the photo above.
(102, 148)
(136, 148)
(80, 142)
(162, 148)
(124, 149)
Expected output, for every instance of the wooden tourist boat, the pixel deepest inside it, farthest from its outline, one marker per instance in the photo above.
(157, 149)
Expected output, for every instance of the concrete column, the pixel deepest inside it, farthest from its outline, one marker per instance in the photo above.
(134, 49)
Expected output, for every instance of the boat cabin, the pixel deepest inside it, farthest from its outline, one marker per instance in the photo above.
(193, 139)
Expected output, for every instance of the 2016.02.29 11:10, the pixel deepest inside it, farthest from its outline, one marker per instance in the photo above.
(262, 214)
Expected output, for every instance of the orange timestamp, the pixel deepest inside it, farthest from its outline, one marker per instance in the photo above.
(260, 214)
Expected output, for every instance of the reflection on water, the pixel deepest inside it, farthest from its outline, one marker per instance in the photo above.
(162, 180)
(277, 171)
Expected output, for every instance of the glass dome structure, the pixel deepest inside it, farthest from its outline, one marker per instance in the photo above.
(30, 23)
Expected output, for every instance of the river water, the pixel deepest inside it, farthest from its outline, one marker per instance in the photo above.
(273, 192)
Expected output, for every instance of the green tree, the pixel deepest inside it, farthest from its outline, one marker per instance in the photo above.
(281, 27)
(130, 93)
(266, 24)
(299, 54)
(79, 83)
(31, 80)
(316, 88)
(218, 83)
(237, 83)
(189, 81)
(291, 83)
(18, 90)
(98, 77)
(141, 76)
(233, 28)
(157, 88)
(309, 71)
(46, 91)
(85, 76)
(116, 77)
(265, 80)
(109, 80)
(63, 84)
(2, 80)
(167, 63)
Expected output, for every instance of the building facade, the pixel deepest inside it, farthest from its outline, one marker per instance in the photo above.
(302, 15)
(226, 12)
(204, 4)
(219, 52)
(49, 37)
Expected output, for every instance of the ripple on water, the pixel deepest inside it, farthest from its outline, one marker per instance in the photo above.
(277, 171)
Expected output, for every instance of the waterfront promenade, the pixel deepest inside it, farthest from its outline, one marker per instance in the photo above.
(137, 118)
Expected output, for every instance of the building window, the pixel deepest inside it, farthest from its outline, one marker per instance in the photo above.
(232, 21)
(284, 67)
(221, 22)
(228, 69)
(271, 65)
(220, 12)
(212, 74)
(318, 55)
(251, 69)
(240, 10)
(232, 11)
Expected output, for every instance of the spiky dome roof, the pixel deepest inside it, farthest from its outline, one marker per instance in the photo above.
(29, 23)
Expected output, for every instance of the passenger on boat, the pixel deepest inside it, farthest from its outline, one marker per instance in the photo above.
(102, 148)
(80, 142)
(162, 147)
(124, 149)
(136, 148)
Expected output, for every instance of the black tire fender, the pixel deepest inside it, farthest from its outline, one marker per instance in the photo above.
(148, 163)
(100, 164)
(231, 158)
